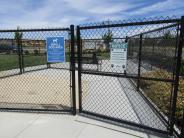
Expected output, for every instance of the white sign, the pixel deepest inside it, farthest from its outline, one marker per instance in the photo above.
(118, 55)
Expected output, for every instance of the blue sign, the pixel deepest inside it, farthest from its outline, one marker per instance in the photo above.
(55, 49)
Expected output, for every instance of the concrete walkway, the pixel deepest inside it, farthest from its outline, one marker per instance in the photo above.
(30, 125)
(104, 95)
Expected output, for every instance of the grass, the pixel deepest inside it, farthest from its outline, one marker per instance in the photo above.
(11, 61)
(100, 55)
(160, 93)
(103, 55)
(8, 62)
(31, 60)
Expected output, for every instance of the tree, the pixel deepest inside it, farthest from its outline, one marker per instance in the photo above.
(107, 38)
(18, 37)
(168, 35)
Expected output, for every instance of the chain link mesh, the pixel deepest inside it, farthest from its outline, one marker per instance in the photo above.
(142, 93)
(36, 84)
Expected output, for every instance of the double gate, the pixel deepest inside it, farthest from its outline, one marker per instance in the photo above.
(142, 92)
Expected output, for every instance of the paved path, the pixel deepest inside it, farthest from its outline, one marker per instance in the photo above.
(27, 125)
(117, 98)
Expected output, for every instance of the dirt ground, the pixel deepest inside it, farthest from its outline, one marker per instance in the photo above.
(36, 88)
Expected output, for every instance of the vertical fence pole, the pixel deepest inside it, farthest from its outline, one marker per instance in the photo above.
(176, 81)
(139, 64)
(48, 65)
(79, 67)
(173, 72)
(182, 129)
(73, 68)
(22, 55)
(17, 37)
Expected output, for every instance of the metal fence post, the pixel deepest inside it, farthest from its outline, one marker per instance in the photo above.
(176, 81)
(22, 56)
(182, 129)
(73, 68)
(139, 64)
(126, 39)
(48, 65)
(79, 67)
(18, 41)
(173, 72)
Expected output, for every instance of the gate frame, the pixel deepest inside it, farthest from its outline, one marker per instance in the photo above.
(20, 57)
(177, 74)
(170, 126)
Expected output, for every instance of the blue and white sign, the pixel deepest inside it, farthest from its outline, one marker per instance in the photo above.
(118, 55)
(55, 49)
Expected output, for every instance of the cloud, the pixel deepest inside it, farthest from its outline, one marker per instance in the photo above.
(164, 6)
(62, 13)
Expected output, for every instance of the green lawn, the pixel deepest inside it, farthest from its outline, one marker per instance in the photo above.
(100, 55)
(11, 61)
(31, 60)
(8, 62)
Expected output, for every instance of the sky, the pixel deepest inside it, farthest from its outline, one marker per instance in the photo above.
(62, 13)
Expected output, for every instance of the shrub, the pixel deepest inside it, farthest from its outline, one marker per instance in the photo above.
(36, 52)
(99, 50)
(26, 52)
(8, 52)
(182, 68)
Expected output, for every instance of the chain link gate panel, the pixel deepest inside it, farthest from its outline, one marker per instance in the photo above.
(27, 81)
(141, 95)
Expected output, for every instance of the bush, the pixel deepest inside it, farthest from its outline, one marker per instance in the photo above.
(26, 52)
(8, 52)
(182, 67)
(36, 52)
(99, 50)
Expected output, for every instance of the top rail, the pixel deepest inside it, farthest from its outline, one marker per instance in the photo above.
(130, 24)
(35, 30)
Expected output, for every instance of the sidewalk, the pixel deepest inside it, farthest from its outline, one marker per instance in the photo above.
(31, 125)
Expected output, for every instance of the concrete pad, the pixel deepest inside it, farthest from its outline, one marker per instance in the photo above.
(112, 127)
(105, 96)
(30, 125)
(53, 127)
(99, 132)
(13, 124)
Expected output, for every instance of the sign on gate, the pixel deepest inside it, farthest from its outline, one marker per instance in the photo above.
(55, 49)
(118, 55)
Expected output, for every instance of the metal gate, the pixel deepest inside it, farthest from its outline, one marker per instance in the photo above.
(143, 92)
(27, 81)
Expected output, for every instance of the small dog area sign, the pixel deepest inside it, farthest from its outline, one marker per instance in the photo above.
(55, 49)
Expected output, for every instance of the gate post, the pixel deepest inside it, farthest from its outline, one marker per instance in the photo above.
(182, 126)
(18, 36)
(177, 73)
(22, 55)
(72, 60)
(139, 64)
(79, 67)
